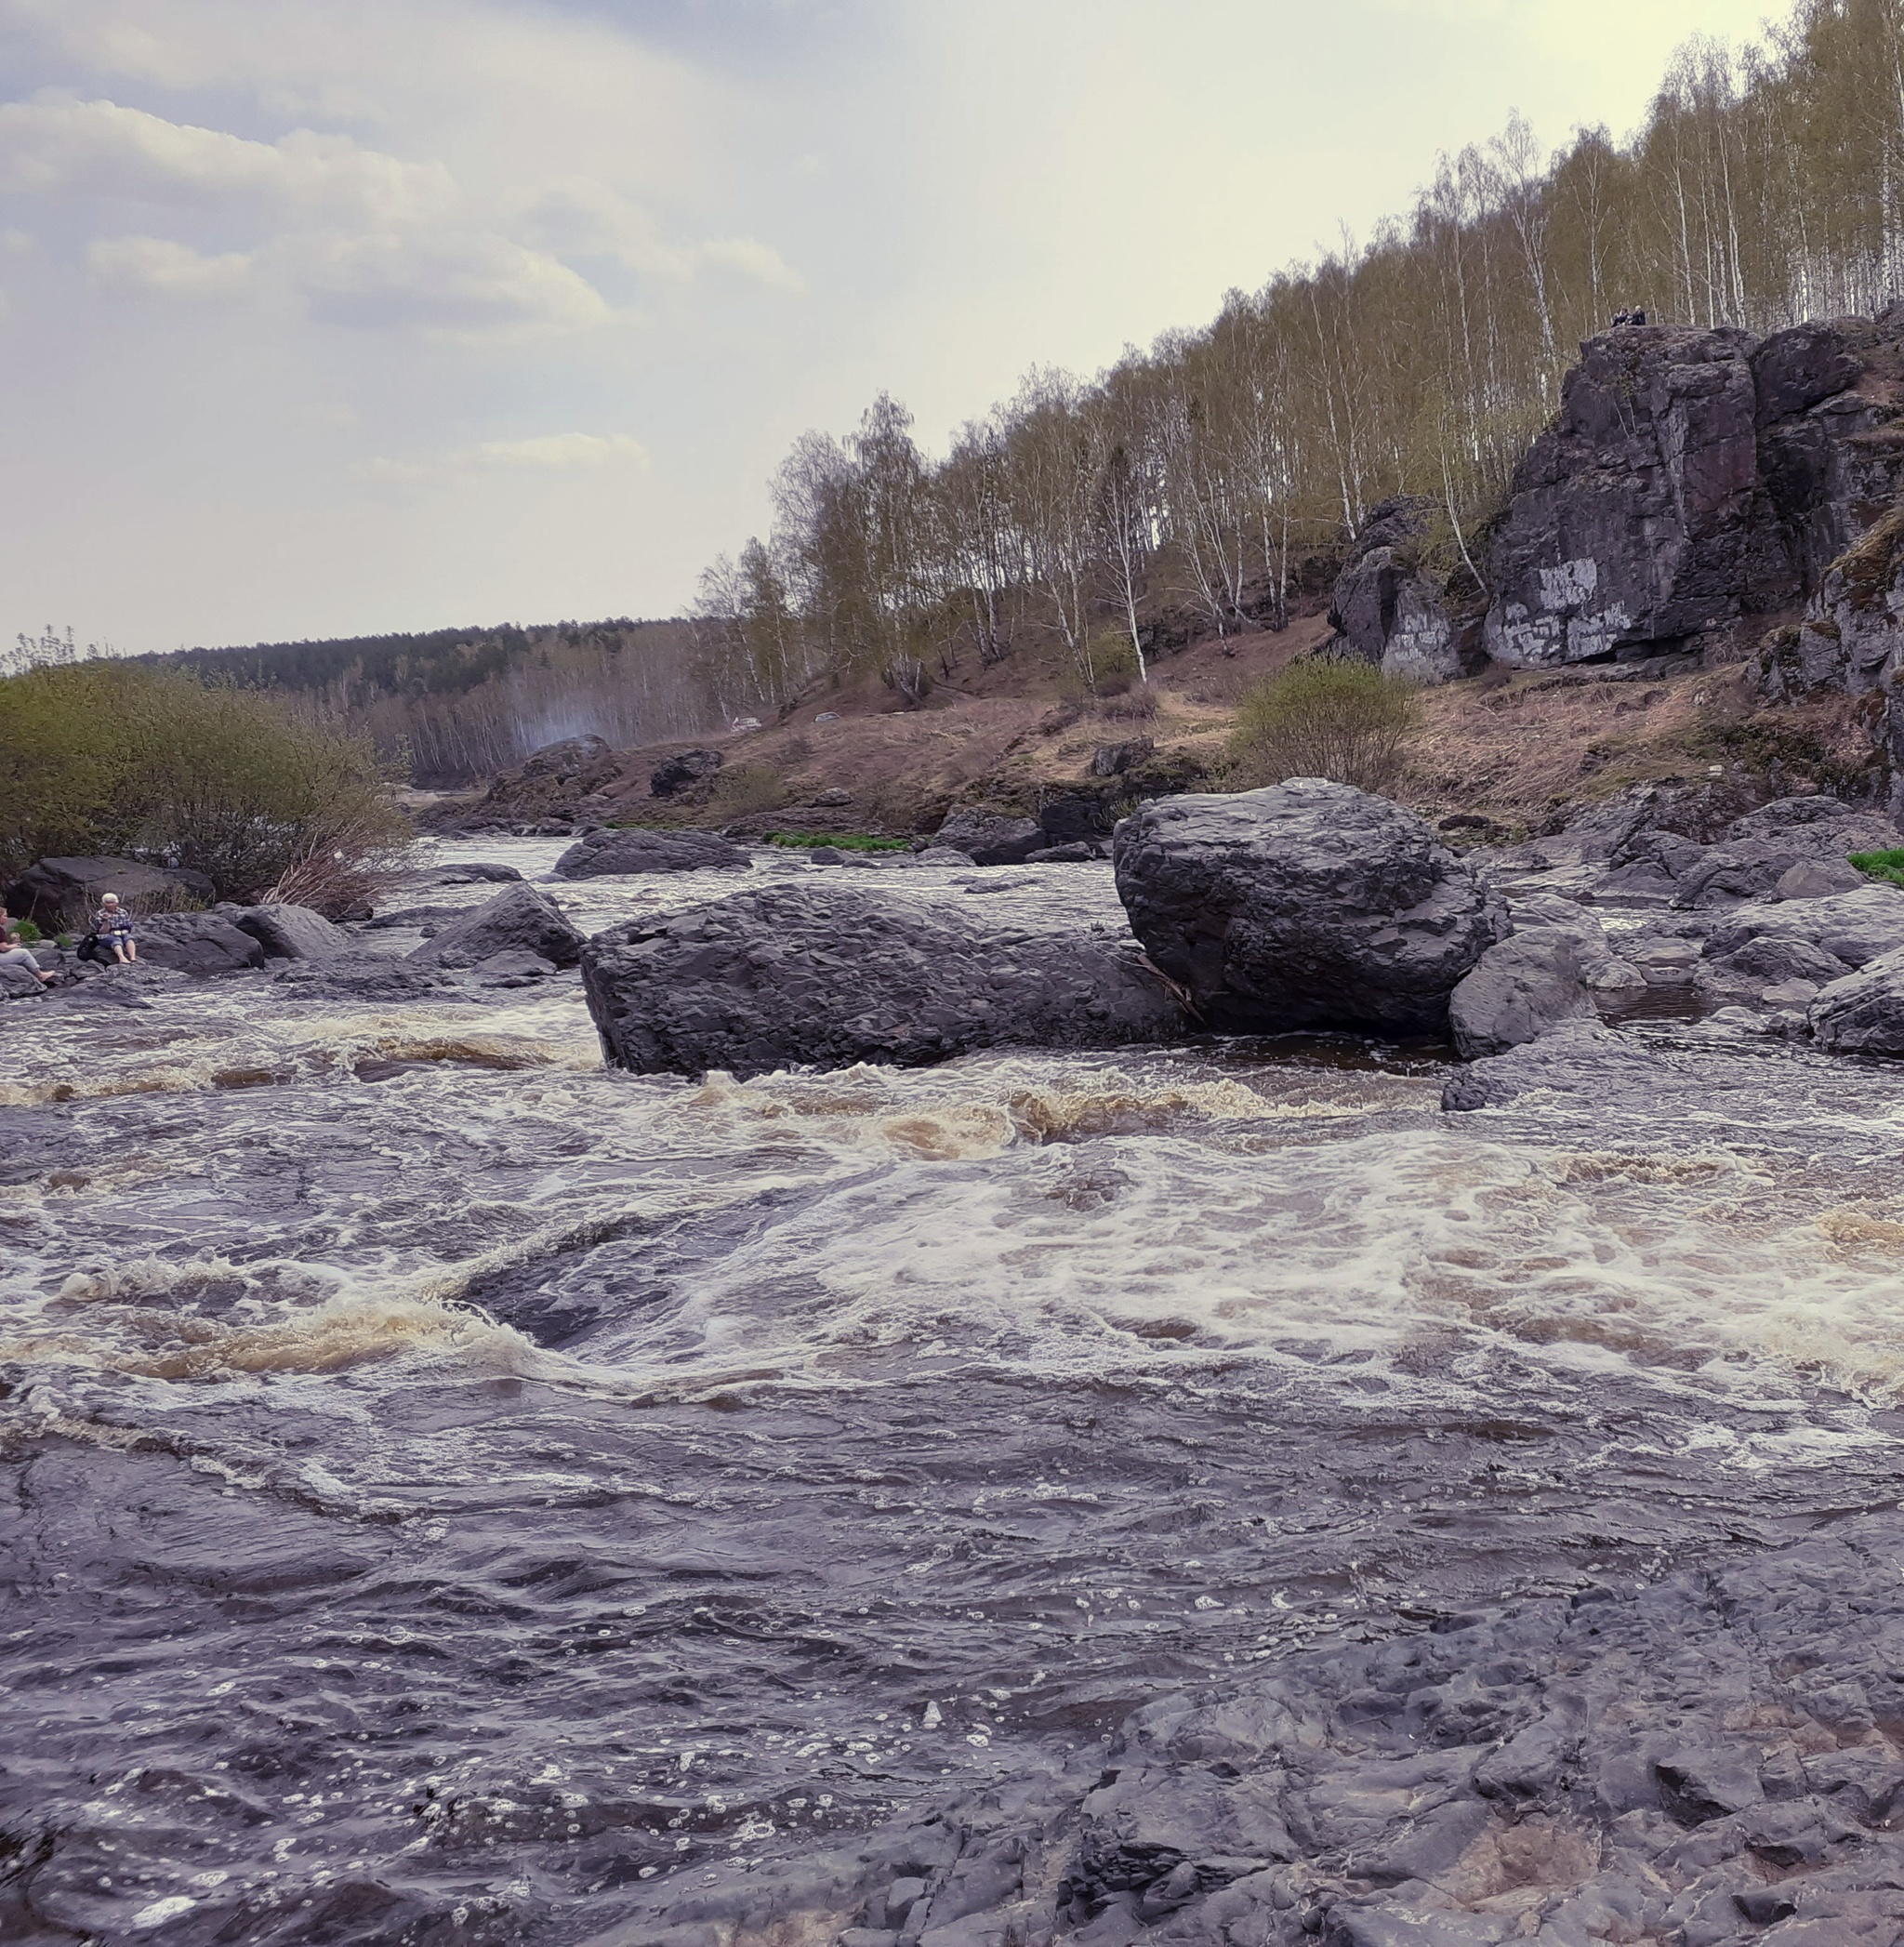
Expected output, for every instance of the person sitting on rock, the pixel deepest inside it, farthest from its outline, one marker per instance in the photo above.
(112, 927)
(13, 954)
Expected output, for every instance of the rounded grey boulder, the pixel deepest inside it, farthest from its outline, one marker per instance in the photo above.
(827, 972)
(1307, 905)
(608, 854)
(519, 919)
(1520, 989)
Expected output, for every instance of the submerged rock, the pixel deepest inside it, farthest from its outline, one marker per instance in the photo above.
(830, 973)
(610, 853)
(1307, 904)
(522, 917)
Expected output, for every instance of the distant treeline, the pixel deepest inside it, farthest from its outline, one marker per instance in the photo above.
(459, 703)
(1763, 190)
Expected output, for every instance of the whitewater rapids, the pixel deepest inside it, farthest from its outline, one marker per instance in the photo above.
(459, 1491)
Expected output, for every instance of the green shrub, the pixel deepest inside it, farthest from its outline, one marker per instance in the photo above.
(26, 932)
(1886, 865)
(1329, 718)
(129, 761)
(851, 842)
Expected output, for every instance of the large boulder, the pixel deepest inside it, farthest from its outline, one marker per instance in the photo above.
(61, 893)
(195, 943)
(292, 932)
(553, 784)
(991, 838)
(828, 972)
(608, 854)
(1307, 905)
(519, 916)
(1862, 1013)
(1390, 608)
(1520, 989)
(1852, 928)
(674, 777)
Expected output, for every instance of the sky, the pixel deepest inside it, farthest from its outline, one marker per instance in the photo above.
(342, 317)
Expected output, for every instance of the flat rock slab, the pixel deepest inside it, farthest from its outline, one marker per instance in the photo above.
(828, 972)
(611, 853)
(1308, 905)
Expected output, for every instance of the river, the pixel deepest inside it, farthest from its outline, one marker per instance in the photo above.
(459, 1493)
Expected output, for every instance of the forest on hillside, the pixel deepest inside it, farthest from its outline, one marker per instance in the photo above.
(460, 704)
(1765, 188)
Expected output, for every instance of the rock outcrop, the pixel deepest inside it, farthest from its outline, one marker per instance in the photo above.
(1390, 607)
(991, 838)
(683, 774)
(1307, 904)
(1692, 476)
(558, 784)
(830, 972)
(519, 919)
(1662, 847)
(609, 853)
(58, 894)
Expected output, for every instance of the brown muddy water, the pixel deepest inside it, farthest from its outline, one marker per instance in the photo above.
(459, 1493)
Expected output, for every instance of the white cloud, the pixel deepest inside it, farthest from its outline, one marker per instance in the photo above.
(564, 452)
(460, 282)
(543, 453)
(757, 260)
(152, 266)
(56, 145)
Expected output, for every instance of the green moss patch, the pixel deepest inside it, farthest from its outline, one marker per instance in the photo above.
(1886, 865)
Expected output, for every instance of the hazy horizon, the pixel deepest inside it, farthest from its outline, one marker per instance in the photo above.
(359, 320)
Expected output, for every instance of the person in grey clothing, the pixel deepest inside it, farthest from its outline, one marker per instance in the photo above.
(12, 954)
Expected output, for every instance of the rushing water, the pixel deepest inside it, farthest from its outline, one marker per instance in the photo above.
(459, 1492)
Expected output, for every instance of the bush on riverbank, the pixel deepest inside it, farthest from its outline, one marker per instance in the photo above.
(125, 759)
(1328, 718)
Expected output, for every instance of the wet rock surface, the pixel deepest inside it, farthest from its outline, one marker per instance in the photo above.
(609, 851)
(522, 917)
(1305, 905)
(833, 974)
(1522, 989)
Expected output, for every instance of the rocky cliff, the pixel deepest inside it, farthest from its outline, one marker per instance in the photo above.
(1689, 478)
